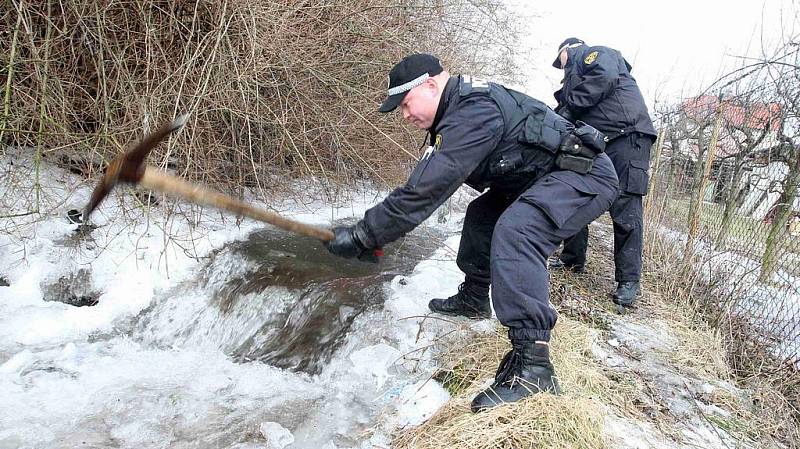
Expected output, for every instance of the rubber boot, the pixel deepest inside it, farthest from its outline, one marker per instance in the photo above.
(557, 264)
(471, 301)
(524, 371)
(626, 293)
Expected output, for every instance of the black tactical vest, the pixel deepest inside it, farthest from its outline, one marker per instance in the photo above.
(531, 137)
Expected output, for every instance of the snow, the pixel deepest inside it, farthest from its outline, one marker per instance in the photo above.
(81, 375)
(418, 402)
(635, 434)
(129, 262)
(143, 391)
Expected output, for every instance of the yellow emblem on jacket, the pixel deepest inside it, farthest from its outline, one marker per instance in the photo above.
(590, 58)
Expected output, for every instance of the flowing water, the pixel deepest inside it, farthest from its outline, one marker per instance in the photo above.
(270, 330)
(277, 298)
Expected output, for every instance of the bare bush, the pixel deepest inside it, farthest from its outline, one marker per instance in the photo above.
(276, 89)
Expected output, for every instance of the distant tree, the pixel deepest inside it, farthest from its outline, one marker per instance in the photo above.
(746, 130)
(698, 119)
(783, 210)
(774, 76)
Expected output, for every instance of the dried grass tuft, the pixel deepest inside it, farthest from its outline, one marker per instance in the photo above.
(563, 422)
(571, 420)
(700, 348)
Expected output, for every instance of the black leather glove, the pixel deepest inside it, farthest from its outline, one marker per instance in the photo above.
(590, 136)
(571, 144)
(346, 244)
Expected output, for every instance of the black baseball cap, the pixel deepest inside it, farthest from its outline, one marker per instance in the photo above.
(568, 43)
(407, 74)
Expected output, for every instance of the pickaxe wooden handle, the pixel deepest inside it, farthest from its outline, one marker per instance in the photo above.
(154, 179)
(129, 167)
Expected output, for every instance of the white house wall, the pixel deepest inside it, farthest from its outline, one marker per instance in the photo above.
(760, 180)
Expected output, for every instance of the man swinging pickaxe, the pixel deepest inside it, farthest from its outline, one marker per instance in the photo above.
(129, 167)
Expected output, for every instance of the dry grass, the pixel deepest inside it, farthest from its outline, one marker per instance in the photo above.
(545, 421)
(700, 349)
(761, 413)
(673, 297)
(571, 420)
(714, 344)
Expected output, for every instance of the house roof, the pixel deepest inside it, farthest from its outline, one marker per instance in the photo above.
(753, 115)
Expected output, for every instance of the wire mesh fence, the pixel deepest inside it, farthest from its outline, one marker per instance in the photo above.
(733, 212)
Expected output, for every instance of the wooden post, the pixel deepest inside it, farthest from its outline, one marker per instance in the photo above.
(694, 219)
(654, 173)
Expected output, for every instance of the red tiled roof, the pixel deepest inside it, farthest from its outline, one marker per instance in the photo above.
(752, 116)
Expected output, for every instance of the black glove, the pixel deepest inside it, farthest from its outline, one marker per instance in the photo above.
(590, 136)
(346, 244)
(571, 144)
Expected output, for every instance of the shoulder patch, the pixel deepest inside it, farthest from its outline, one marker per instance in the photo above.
(471, 85)
(590, 58)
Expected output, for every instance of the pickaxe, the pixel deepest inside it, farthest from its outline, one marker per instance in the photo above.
(129, 167)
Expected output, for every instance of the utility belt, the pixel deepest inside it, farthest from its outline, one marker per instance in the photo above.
(579, 148)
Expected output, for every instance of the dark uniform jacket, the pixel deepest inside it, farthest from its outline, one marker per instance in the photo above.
(483, 135)
(599, 90)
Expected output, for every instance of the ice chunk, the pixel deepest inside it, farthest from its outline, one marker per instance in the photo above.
(375, 361)
(278, 437)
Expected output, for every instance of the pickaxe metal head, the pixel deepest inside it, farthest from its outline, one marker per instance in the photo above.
(129, 167)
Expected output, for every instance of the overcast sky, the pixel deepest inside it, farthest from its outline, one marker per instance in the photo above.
(674, 46)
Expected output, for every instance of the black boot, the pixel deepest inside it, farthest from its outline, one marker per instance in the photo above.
(626, 293)
(525, 370)
(471, 301)
(557, 264)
